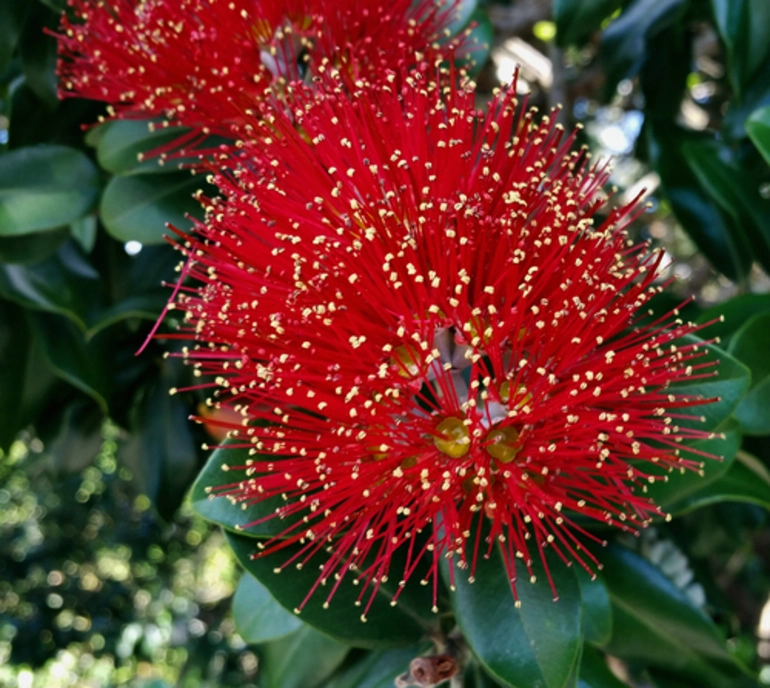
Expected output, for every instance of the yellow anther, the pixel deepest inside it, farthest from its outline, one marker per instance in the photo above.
(455, 438)
(503, 444)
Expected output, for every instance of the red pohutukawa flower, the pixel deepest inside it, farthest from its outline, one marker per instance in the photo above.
(204, 63)
(422, 321)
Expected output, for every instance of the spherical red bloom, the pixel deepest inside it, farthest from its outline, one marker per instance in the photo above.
(204, 63)
(422, 321)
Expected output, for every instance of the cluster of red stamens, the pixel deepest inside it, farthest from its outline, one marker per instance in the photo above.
(427, 316)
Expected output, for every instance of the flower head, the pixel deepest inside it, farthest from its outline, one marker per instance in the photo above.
(206, 63)
(422, 320)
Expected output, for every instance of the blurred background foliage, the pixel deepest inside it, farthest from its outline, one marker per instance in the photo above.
(107, 576)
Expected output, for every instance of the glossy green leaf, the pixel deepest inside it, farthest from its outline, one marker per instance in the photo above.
(744, 26)
(476, 677)
(121, 142)
(749, 345)
(655, 623)
(80, 363)
(14, 348)
(160, 451)
(746, 481)
(38, 54)
(224, 511)
(258, 617)
(32, 248)
(379, 669)
(740, 108)
(12, 15)
(137, 208)
(734, 189)
(34, 122)
(84, 232)
(594, 672)
(734, 312)
(44, 187)
(668, 52)
(758, 129)
(728, 384)
(79, 438)
(386, 626)
(480, 41)
(576, 20)
(717, 234)
(65, 283)
(535, 644)
(304, 659)
(597, 612)
(461, 15)
(681, 485)
(624, 44)
(143, 307)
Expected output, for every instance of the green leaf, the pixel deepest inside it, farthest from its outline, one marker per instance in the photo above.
(755, 96)
(122, 141)
(82, 364)
(386, 626)
(749, 346)
(304, 659)
(744, 26)
(79, 438)
(594, 672)
(655, 623)
(597, 613)
(734, 189)
(379, 669)
(143, 307)
(537, 644)
(669, 52)
(65, 284)
(84, 232)
(576, 20)
(35, 122)
(624, 45)
(12, 16)
(476, 677)
(14, 348)
(461, 15)
(758, 129)
(680, 485)
(160, 451)
(223, 510)
(745, 481)
(137, 208)
(736, 312)
(44, 187)
(258, 617)
(480, 41)
(38, 54)
(722, 240)
(728, 385)
(32, 248)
